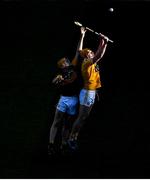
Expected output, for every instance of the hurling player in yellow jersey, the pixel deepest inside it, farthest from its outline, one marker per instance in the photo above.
(91, 81)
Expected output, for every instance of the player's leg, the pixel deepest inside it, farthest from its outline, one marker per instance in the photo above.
(72, 108)
(87, 98)
(58, 118)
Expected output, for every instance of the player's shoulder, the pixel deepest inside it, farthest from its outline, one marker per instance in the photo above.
(88, 62)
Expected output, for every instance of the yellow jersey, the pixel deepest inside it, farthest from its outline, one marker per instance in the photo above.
(91, 76)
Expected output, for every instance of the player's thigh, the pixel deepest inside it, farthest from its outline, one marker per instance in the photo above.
(59, 115)
(72, 106)
(84, 111)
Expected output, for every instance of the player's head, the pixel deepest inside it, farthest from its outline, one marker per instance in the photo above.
(87, 53)
(63, 63)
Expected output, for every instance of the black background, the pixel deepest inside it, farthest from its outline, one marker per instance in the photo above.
(115, 140)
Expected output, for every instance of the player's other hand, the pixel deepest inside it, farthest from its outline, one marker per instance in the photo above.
(105, 38)
(83, 30)
(58, 79)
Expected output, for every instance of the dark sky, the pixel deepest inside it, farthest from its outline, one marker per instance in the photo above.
(42, 32)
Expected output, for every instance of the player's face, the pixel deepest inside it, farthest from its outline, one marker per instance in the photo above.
(90, 54)
(64, 63)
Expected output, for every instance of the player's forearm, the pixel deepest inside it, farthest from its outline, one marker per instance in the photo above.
(80, 44)
(100, 51)
(79, 47)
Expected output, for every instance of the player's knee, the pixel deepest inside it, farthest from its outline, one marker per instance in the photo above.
(83, 117)
(56, 123)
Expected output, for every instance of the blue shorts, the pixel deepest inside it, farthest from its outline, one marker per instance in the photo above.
(87, 97)
(68, 104)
